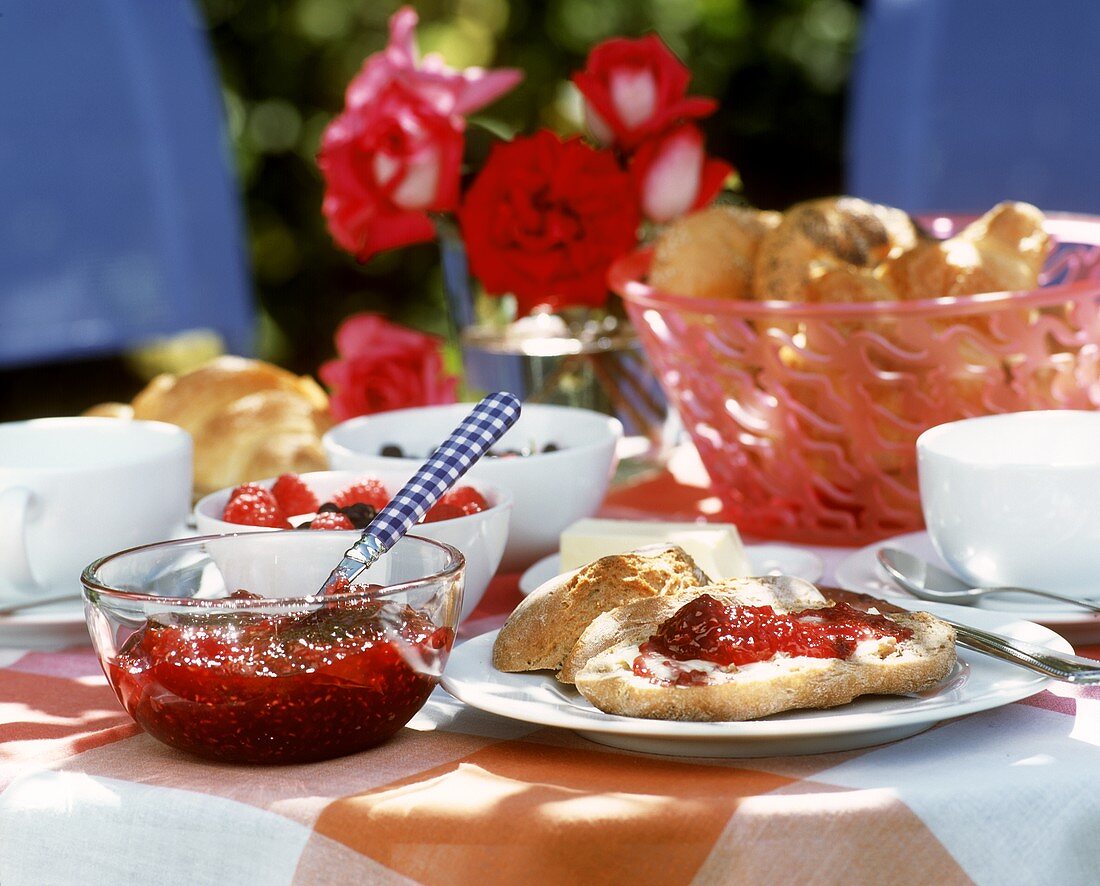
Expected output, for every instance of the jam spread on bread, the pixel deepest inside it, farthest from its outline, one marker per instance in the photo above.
(280, 688)
(708, 632)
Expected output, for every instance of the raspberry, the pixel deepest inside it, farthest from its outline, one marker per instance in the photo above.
(331, 520)
(442, 511)
(365, 492)
(466, 499)
(246, 487)
(293, 496)
(255, 508)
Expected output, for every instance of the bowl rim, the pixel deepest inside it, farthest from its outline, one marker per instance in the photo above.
(89, 584)
(614, 427)
(627, 273)
(931, 443)
(177, 441)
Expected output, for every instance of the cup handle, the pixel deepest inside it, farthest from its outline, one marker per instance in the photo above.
(15, 566)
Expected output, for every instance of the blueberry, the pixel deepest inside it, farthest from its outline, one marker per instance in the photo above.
(550, 447)
(328, 507)
(360, 515)
(392, 450)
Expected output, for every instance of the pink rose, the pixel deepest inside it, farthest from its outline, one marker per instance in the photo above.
(395, 152)
(382, 366)
(673, 174)
(634, 89)
(385, 165)
(448, 90)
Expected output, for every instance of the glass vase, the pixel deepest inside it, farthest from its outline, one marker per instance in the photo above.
(583, 357)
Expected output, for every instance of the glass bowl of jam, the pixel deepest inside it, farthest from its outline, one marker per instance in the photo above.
(221, 646)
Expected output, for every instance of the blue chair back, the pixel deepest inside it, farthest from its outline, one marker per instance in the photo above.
(958, 104)
(120, 220)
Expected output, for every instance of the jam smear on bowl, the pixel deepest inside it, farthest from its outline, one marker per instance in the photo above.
(707, 629)
(247, 687)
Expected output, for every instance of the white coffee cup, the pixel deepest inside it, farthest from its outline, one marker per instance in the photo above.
(1014, 499)
(74, 489)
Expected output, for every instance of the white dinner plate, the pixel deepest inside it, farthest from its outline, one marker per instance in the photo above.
(977, 683)
(861, 572)
(765, 559)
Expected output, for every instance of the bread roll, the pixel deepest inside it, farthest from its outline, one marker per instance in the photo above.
(1004, 250)
(886, 666)
(542, 630)
(710, 253)
(248, 419)
(831, 234)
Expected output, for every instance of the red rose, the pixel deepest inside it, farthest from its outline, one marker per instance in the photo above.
(545, 218)
(385, 165)
(674, 175)
(634, 89)
(382, 366)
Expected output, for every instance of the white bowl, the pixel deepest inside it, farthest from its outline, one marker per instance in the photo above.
(551, 489)
(481, 537)
(1012, 499)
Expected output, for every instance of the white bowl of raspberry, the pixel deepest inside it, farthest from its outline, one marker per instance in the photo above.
(473, 517)
(556, 460)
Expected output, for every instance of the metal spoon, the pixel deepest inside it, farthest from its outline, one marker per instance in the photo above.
(478, 431)
(14, 608)
(928, 582)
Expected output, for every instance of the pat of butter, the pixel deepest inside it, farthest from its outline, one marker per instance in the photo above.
(715, 547)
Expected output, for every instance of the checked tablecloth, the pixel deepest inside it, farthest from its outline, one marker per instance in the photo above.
(1006, 796)
(462, 797)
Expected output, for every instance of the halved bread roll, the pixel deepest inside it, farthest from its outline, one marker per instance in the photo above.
(542, 630)
(883, 666)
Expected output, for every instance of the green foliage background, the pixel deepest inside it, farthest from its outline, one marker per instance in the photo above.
(778, 67)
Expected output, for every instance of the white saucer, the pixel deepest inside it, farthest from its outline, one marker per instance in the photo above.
(977, 683)
(861, 572)
(56, 625)
(60, 624)
(765, 559)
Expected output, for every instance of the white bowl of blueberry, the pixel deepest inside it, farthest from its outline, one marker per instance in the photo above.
(557, 462)
(473, 517)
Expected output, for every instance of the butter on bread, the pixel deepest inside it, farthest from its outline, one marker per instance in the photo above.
(249, 420)
(542, 630)
(888, 666)
(633, 622)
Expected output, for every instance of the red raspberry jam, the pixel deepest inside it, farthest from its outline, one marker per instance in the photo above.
(709, 630)
(252, 688)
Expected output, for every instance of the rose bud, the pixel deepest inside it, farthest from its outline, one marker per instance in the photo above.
(673, 174)
(634, 89)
